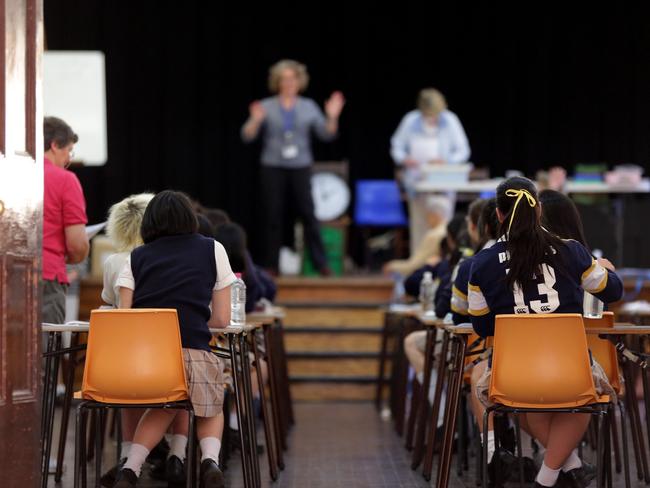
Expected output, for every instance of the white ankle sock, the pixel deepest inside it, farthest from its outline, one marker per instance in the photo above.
(572, 462)
(137, 456)
(547, 476)
(126, 448)
(232, 421)
(210, 447)
(490, 446)
(177, 446)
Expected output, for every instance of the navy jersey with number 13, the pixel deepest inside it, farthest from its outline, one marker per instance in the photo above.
(559, 289)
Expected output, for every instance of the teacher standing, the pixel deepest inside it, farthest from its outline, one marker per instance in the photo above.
(287, 121)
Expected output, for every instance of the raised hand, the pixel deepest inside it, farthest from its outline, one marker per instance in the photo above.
(334, 105)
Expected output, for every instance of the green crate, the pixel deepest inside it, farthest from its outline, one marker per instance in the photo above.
(333, 241)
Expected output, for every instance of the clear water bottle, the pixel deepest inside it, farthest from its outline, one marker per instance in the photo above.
(398, 289)
(592, 307)
(238, 301)
(427, 293)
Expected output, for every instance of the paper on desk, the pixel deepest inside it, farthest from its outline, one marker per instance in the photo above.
(93, 230)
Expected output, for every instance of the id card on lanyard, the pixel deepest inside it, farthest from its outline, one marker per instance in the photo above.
(289, 146)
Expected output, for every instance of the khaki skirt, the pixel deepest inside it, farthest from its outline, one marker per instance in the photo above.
(600, 382)
(205, 381)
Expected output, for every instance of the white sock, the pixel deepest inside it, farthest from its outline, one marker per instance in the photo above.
(572, 462)
(126, 448)
(137, 456)
(526, 444)
(547, 476)
(490, 446)
(177, 446)
(232, 421)
(210, 447)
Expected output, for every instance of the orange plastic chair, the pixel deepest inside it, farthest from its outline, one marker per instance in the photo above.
(134, 358)
(541, 363)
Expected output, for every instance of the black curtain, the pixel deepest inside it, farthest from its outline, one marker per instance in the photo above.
(540, 91)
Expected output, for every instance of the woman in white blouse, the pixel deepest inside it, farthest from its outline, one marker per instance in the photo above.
(429, 135)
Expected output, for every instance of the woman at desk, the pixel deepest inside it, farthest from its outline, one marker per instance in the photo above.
(429, 135)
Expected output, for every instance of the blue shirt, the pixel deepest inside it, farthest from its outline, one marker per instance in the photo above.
(305, 117)
(567, 273)
(452, 141)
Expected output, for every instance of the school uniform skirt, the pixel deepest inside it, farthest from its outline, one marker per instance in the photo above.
(205, 381)
(601, 383)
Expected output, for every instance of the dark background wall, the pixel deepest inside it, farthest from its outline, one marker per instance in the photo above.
(539, 91)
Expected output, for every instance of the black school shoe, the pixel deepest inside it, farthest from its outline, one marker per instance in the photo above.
(108, 478)
(211, 475)
(157, 459)
(175, 471)
(579, 477)
(530, 470)
(501, 468)
(126, 478)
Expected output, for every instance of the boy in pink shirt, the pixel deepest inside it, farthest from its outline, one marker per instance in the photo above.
(64, 217)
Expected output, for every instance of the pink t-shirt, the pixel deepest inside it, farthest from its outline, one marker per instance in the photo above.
(63, 205)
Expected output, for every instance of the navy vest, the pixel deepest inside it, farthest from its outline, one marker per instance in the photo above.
(178, 272)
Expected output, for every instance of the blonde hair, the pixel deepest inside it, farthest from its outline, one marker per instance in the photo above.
(124, 220)
(431, 101)
(276, 70)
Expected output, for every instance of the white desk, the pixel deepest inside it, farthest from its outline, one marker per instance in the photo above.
(480, 186)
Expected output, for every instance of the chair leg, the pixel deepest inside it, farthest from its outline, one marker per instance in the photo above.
(78, 442)
(615, 443)
(410, 422)
(274, 392)
(248, 406)
(520, 456)
(423, 413)
(267, 419)
(190, 471)
(626, 456)
(237, 379)
(635, 425)
(442, 368)
(600, 456)
(484, 452)
(99, 434)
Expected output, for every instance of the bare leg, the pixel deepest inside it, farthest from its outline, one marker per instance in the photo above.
(180, 423)
(414, 353)
(477, 407)
(130, 419)
(152, 427)
(210, 426)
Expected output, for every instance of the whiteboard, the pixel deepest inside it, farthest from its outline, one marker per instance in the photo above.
(74, 89)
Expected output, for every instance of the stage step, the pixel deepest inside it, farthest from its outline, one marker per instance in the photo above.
(333, 335)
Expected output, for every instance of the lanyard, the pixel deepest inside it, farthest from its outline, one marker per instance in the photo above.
(288, 119)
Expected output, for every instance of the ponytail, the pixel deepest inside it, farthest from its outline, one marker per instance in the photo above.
(528, 244)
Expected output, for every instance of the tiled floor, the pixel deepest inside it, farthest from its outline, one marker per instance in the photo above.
(336, 445)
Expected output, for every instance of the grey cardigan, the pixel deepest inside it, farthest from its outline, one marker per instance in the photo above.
(308, 117)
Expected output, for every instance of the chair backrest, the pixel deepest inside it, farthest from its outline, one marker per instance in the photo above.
(604, 351)
(134, 356)
(541, 361)
(378, 203)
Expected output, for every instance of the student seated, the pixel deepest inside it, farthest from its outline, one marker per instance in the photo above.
(428, 250)
(178, 268)
(453, 246)
(487, 228)
(530, 270)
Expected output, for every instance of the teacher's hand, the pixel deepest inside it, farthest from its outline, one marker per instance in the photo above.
(334, 105)
(257, 111)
